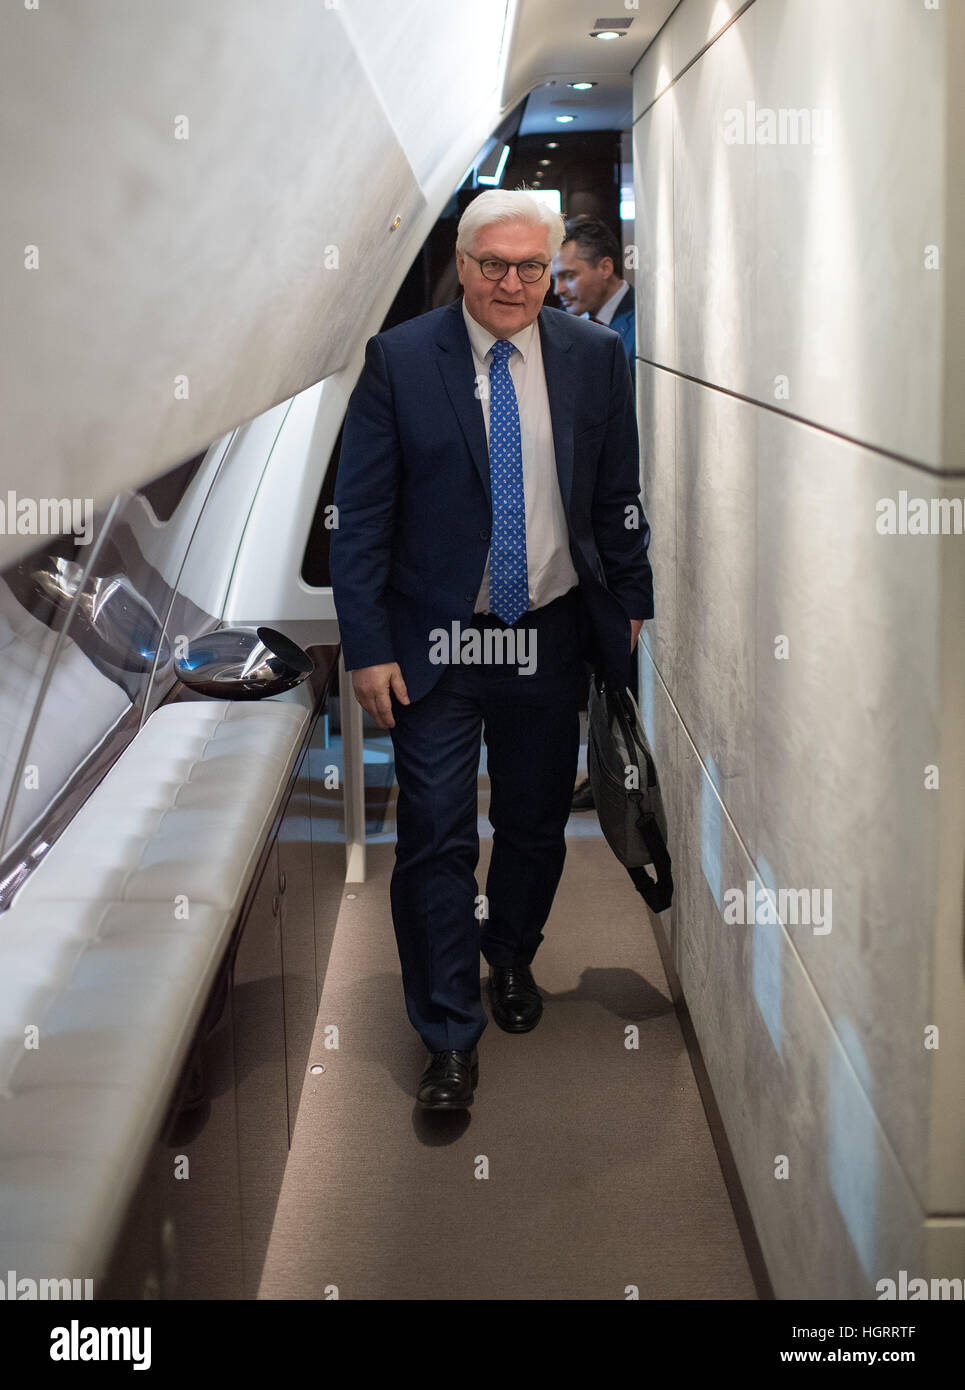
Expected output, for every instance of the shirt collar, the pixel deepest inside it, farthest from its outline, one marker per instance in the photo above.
(606, 311)
(482, 340)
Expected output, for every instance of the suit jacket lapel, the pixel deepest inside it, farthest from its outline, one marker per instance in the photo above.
(560, 392)
(459, 376)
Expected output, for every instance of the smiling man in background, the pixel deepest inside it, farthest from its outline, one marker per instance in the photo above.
(586, 280)
(488, 479)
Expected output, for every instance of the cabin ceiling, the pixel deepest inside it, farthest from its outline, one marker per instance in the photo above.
(552, 45)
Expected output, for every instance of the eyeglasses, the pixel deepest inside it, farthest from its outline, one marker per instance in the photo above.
(528, 271)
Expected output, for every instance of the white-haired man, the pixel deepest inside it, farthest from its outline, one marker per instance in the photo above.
(491, 543)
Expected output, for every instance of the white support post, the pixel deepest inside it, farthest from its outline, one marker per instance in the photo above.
(353, 777)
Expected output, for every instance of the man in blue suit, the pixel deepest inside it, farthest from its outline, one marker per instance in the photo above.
(585, 278)
(490, 542)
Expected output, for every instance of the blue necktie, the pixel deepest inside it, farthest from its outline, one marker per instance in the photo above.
(508, 576)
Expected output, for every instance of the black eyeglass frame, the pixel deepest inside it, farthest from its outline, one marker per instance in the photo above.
(510, 265)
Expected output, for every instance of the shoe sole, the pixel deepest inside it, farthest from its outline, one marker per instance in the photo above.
(517, 1027)
(445, 1104)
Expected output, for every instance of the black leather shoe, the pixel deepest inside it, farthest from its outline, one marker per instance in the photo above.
(582, 797)
(516, 1003)
(448, 1081)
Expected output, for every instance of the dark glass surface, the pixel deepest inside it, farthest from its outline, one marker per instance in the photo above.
(81, 645)
(315, 562)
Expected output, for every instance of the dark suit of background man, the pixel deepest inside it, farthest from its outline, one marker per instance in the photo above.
(586, 278)
(528, 523)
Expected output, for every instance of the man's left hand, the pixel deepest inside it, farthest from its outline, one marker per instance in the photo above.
(635, 625)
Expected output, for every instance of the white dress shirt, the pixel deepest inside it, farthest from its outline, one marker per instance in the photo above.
(606, 312)
(550, 569)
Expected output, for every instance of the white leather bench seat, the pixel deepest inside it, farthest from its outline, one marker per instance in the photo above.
(93, 954)
(182, 813)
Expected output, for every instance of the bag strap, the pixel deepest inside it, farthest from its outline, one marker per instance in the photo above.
(657, 895)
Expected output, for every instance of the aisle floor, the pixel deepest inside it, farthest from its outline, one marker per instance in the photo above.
(584, 1170)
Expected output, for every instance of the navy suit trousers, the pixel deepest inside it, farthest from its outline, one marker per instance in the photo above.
(532, 731)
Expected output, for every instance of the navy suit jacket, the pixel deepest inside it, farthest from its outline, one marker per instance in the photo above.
(624, 323)
(414, 514)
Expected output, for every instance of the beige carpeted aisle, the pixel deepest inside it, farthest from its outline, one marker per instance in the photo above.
(601, 1170)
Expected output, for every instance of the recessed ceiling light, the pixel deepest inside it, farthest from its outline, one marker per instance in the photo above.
(546, 161)
(607, 34)
(565, 120)
(552, 144)
(581, 86)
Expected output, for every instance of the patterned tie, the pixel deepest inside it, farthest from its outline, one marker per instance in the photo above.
(508, 575)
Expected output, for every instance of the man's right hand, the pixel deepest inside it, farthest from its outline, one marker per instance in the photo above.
(374, 686)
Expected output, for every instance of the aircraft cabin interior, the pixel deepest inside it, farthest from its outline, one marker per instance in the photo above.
(227, 224)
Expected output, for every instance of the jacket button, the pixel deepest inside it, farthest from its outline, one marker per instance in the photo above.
(484, 534)
(469, 595)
